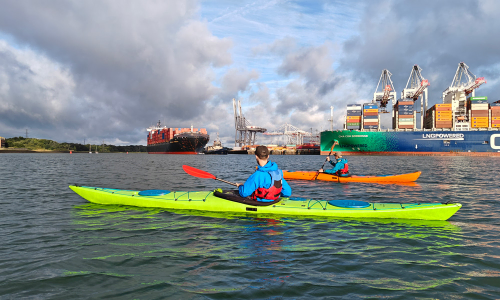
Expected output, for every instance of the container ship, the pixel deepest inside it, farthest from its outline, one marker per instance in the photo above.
(164, 140)
(463, 125)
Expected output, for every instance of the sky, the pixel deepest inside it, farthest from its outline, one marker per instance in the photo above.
(105, 70)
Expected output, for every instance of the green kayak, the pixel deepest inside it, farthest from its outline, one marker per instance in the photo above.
(228, 201)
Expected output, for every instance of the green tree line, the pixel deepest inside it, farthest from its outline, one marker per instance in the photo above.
(43, 144)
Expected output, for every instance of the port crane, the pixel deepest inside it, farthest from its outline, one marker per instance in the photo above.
(417, 86)
(386, 91)
(293, 134)
(244, 129)
(464, 84)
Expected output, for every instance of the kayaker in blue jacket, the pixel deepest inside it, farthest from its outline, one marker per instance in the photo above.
(340, 166)
(267, 183)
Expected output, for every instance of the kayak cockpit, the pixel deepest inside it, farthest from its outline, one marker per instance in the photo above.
(233, 195)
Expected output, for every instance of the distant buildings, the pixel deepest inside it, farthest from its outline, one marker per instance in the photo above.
(2, 142)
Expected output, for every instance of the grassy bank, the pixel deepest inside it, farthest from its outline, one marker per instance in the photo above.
(19, 144)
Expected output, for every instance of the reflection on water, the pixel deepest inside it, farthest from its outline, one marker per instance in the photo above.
(55, 245)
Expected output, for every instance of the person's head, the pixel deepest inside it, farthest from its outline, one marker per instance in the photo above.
(338, 154)
(261, 154)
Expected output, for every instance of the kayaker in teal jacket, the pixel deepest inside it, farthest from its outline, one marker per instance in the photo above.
(340, 166)
(267, 183)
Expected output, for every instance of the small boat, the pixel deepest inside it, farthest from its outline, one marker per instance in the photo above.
(229, 202)
(216, 148)
(314, 175)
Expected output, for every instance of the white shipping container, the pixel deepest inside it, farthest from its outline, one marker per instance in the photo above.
(479, 106)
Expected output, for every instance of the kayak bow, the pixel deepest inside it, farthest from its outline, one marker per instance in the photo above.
(311, 175)
(207, 201)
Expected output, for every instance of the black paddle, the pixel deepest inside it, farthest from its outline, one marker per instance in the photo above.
(326, 159)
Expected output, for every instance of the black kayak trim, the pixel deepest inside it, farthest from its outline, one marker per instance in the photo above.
(233, 195)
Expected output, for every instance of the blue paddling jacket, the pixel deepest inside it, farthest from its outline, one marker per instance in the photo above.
(262, 179)
(339, 167)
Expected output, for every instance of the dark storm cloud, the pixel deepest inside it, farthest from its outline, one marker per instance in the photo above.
(235, 81)
(436, 35)
(305, 100)
(315, 82)
(126, 64)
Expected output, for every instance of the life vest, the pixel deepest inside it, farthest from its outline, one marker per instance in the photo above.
(344, 170)
(274, 191)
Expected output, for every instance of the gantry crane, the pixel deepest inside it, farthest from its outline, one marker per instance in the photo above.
(293, 134)
(387, 91)
(246, 131)
(464, 84)
(417, 87)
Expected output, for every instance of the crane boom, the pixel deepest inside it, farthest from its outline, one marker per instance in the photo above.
(423, 85)
(474, 85)
(387, 90)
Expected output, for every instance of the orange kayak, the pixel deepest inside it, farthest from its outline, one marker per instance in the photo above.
(311, 175)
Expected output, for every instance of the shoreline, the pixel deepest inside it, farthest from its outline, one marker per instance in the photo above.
(21, 150)
(484, 154)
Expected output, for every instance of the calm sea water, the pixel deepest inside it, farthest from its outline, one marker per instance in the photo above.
(56, 245)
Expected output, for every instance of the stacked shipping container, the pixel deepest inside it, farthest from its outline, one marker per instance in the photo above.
(166, 134)
(370, 116)
(405, 119)
(495, 114)
(479, 116)
(439, 116)
(353, 118)
(444, 116)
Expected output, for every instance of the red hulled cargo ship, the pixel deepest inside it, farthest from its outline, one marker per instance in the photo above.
(165, 140)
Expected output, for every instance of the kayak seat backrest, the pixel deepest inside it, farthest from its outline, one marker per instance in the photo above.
(153, 192)
(234, 195)
(349, 203)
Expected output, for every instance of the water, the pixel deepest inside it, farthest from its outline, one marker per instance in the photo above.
(56, 245)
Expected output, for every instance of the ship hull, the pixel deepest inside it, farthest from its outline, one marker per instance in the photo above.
(461, 143)
(186, 143)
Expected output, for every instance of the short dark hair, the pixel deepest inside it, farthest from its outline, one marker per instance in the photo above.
(262, 152)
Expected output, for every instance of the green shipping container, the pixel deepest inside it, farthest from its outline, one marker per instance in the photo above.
(405, 120)
(479, 98)
(353, 124)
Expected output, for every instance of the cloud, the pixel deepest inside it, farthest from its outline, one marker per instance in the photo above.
(436, 35)
(130, 63)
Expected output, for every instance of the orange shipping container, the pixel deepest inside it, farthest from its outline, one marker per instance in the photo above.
(406, 126)
(405, 116)
(481, 119)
